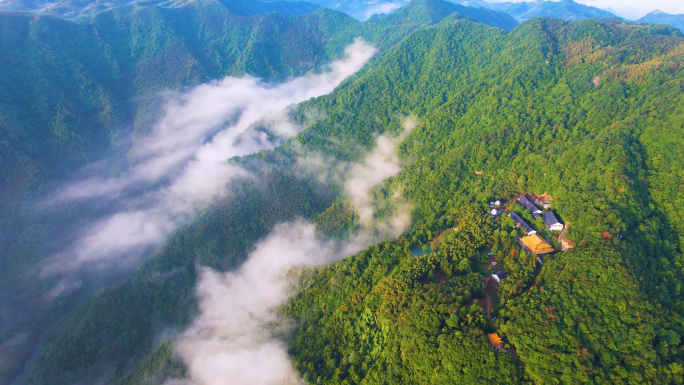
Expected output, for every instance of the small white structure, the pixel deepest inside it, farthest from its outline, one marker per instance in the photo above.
(496, 277)
(552, 223)
(497, 203)
(494, 212)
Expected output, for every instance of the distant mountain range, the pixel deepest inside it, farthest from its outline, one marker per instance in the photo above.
(658, 17)
(568, 10)
(81, 8)
(565, 9)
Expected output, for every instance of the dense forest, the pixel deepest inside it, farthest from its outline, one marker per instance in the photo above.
(91, 89)
(588, 113)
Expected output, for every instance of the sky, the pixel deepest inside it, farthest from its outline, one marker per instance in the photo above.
(630, 9)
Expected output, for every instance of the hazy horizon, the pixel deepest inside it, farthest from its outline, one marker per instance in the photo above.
(630, 9)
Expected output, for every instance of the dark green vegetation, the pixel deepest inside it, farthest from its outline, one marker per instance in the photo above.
(591, 113)
(383, 317)
(73, 93)
(588, 112)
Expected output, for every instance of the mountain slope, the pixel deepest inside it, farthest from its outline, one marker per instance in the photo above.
(77, 93)
(119, 62)
(590, 113)
(522, 117)
(658, 17)
(550, 107)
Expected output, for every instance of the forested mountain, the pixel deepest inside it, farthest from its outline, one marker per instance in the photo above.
(564, 9)
(74, 93)
(86, 8)
(361, 9)
(120, 61)
(589, 113)
(658, 17)
(550, 107)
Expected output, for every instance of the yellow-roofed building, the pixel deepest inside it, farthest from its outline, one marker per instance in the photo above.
(536, 244)
(495, 341)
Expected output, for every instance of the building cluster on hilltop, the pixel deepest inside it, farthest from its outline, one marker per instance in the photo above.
(533, 243)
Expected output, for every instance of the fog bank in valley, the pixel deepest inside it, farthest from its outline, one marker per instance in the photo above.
(233, 338)
(182, 166)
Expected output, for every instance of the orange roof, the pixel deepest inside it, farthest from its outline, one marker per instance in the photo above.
(536, 244)
(495, 340)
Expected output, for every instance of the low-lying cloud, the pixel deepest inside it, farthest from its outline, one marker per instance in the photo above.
(232, 340)
(383, 7)
(184, 161)
(380, 164)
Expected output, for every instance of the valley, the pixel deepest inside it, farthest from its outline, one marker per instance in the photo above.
(287, 164)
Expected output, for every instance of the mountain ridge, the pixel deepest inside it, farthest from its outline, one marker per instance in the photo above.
(659, 17)
(566, 9)
(83, 9)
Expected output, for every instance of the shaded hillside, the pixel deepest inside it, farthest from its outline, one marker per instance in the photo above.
(75, 93)
(120, 61)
